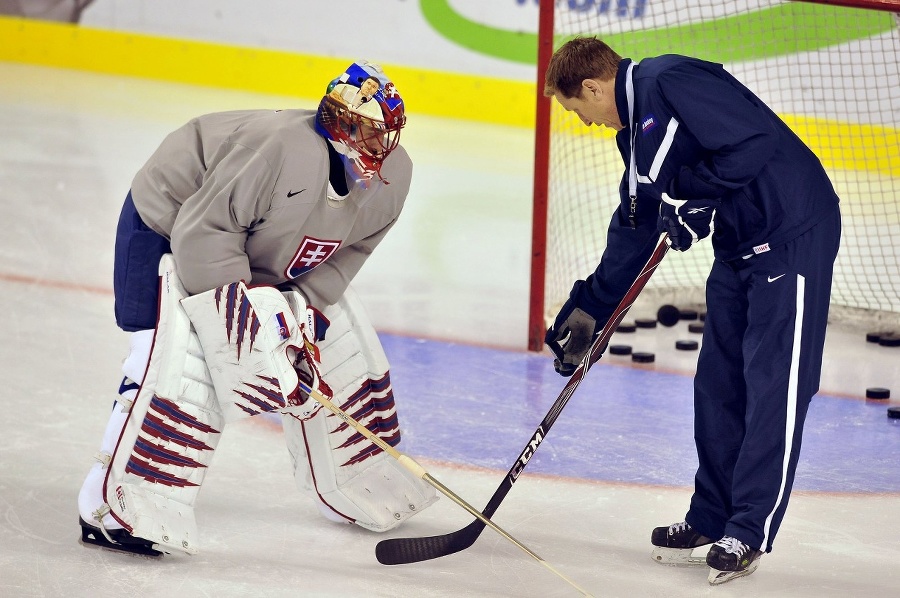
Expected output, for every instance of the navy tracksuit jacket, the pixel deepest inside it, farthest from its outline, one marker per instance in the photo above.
(699, 133)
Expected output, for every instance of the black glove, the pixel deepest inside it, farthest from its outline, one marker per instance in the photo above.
(574, 330)
(686, 220)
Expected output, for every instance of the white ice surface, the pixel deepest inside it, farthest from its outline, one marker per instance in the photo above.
(455, 269)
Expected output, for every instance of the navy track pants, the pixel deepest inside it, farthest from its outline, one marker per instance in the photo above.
(757, 372)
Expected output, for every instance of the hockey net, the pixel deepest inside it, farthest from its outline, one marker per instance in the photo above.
(831, 70)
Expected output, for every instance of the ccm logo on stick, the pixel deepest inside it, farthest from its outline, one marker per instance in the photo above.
(527, 453)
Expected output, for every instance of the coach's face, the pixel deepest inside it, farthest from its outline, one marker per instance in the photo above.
(595, 105)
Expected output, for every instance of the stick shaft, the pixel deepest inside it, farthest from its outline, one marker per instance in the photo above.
(592, 356)
(399, 550)
(420, 472)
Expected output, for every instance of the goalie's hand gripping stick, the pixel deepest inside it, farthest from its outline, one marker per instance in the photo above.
(396, 551)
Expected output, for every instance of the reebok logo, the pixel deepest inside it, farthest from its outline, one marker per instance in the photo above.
(293, 193)
(774, 278)
(697, 210)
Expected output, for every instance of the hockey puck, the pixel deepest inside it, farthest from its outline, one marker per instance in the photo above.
(878, 393)
(688, 314)
(890, 339)
(696, 327)
(626, 328)
(645, 323)
(640, 357)
(668, 315)
(620, 349)
(894, 412)
(873, 337)
(686, 345)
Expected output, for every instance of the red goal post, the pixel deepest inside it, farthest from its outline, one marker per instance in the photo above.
(830, 68)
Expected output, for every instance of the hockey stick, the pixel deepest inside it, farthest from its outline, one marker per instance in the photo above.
(396, 551)
(420, 472)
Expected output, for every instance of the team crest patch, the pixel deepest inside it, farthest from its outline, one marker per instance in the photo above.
(310, 254)
(648, 124)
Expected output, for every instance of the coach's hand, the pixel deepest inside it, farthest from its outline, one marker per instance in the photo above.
(573, 332)
(686, 220)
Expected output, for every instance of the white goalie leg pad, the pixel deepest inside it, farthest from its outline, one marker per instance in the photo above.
(171, 432)
(351, 479)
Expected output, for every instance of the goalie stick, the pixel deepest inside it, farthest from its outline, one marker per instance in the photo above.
(397, 551)
(420, 472)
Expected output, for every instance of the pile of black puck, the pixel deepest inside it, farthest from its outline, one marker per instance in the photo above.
(875, 393)
(667, 315)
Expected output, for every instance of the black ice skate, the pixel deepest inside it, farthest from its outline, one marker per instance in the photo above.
(117, 539)
(674, 545)
(730, 558)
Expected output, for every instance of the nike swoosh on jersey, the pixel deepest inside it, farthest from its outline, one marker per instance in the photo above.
(293, 193)
(773, 279)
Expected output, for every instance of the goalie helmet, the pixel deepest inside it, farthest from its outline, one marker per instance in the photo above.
(361, 115)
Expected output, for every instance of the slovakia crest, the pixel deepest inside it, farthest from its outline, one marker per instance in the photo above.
(310, 254)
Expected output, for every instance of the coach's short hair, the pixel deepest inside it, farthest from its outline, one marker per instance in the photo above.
(579, 59)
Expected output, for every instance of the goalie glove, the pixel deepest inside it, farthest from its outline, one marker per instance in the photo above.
(307, 359)
(575, 328)
(686, 220)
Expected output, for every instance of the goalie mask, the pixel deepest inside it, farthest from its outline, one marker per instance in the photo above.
(361, 116)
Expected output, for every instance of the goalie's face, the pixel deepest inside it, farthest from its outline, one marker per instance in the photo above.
(368, 140)
(361, 115)
(372, 137)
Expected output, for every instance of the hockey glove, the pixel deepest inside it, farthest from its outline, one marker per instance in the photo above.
(573, 332)
(686, 220)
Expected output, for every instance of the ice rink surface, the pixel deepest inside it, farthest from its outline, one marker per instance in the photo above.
(447, 290)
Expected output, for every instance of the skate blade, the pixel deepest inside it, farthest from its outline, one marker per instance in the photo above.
(91, 537)
(676, 556)
(717, 577)
(142, 553)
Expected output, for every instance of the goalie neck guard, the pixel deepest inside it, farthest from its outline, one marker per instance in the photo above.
(361, 116)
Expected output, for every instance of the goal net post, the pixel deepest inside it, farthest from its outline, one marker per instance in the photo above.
(830, 69)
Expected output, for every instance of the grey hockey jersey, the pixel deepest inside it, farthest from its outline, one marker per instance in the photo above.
(243, 195)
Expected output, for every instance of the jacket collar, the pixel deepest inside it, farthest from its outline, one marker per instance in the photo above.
(621, 98)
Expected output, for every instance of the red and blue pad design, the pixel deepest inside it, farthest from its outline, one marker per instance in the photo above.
(362, 114)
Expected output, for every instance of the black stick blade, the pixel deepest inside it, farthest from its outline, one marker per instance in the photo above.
(401, 551)
(397, 551)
